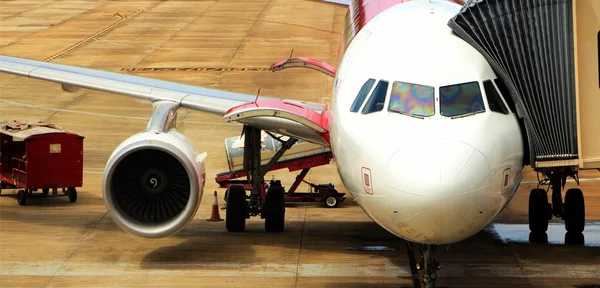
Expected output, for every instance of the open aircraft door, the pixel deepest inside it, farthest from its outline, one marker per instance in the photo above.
(290, 118)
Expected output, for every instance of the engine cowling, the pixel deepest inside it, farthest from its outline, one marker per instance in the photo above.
(153, 183)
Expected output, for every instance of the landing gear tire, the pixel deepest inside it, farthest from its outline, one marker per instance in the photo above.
(22, 197)
(235, 214)
(539, 210)
(275, 209)
(574, 211)
(331, 201)
(72, 193)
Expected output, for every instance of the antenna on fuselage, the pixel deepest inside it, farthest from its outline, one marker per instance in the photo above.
(256, 99)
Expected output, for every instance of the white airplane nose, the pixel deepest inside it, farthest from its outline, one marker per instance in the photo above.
(439, 190)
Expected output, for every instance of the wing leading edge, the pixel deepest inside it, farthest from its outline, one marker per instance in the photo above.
(203, 99)
(192, 97)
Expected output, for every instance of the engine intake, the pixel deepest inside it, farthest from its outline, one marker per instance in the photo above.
(153, 183)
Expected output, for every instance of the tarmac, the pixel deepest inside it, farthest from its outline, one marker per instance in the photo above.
(226, 45)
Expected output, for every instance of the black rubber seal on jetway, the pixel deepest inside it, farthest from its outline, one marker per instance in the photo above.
(529, 44)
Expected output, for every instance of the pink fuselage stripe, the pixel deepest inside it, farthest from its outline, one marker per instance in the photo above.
(360, 13)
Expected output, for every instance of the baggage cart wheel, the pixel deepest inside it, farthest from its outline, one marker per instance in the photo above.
(22, 197)
(275, 209)
(331, 201)
(237, 207)
(72, 193)
(45, 191)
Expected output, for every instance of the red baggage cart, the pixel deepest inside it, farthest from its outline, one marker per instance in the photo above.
(40, 156)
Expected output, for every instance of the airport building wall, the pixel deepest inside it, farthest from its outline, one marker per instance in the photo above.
(587, 63)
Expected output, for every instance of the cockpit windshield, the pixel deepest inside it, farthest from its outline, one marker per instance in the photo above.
(461, 99)
(412, 99)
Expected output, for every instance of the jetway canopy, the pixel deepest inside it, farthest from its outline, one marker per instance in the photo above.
(529, 43)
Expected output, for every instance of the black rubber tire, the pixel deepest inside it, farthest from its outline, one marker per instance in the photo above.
(538, 211)
(574, 211)
(538, 238)
(237, 207)
(72, 193)
(275, 209)
(45, 191)
(572, 238)
(333, 199)
(22, 197)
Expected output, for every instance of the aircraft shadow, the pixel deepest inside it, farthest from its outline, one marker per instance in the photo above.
(328, 240)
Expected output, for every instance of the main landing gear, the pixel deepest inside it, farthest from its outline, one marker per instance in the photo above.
(428, 265)
(269, 204)
(572, 211)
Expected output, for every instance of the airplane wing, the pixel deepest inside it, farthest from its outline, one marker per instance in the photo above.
(288, 117)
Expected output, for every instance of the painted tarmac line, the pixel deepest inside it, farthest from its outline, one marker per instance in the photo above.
(97, 34)
(106, 115)
(55, 268)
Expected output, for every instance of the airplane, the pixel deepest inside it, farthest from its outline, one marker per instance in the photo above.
(424, 134)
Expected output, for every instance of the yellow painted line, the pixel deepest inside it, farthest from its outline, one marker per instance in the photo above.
(58, 268)
(99, 33)
(211, 69)
(215, 69)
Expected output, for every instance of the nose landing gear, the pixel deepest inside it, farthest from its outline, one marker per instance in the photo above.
(428, 265)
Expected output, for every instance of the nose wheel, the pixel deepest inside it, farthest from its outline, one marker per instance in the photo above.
(428, 265)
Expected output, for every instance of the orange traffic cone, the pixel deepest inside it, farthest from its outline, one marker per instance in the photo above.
(215, 210)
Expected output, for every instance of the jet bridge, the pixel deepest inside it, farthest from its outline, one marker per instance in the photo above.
(531, 46)
(546, 54)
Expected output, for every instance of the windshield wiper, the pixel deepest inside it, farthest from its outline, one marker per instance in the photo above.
(465, 115)
(411, 115)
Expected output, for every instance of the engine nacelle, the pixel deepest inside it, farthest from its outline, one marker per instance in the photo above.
(153, 183)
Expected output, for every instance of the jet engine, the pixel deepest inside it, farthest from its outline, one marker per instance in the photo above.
(153, 183)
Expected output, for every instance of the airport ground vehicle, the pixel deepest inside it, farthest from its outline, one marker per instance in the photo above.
(301, 157)
(42, 157)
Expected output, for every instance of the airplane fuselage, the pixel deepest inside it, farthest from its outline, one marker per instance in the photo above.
(418, 140)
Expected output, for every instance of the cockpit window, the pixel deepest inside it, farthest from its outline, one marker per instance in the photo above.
(506, 94)
(461, 99)
(377, 99)
(362, 95)
(494, 101)
(412, 99)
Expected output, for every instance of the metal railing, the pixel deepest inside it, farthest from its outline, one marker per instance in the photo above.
(20, 172)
